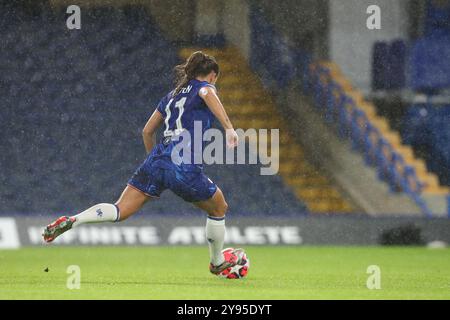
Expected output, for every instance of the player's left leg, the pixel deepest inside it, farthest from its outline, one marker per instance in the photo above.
(216, 207)
(129, 202)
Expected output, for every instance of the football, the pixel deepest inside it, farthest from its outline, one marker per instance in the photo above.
(238, 271)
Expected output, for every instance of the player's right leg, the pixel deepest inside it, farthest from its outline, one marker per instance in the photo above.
(141, 187)
(129, 202)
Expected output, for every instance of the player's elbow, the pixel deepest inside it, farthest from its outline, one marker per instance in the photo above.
(147, 132)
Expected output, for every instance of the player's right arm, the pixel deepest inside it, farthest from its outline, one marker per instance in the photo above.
(149, 131)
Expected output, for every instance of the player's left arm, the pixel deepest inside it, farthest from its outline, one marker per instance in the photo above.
(208, 94)
(149, 131)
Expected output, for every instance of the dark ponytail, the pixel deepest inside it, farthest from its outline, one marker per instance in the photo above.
(198, 64)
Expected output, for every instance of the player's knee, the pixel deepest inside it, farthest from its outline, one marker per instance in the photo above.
(124, 211)
(220, 211)
(224, 207)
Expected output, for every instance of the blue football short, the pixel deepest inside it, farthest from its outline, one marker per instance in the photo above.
(153, 177)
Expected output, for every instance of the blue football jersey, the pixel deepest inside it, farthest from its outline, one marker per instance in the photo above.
(180, 113)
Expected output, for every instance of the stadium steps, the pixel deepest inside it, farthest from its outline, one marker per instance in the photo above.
(347, 168)
(250, 106)
(428, 178)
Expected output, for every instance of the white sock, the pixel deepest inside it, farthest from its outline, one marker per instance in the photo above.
(102, 212)
(215, 234)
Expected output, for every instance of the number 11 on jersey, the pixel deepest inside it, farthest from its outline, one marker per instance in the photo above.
(178, 125)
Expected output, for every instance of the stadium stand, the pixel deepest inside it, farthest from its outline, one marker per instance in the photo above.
(437, 18)
(266, 43)
(421, 67)
(356, 118)
(419, 64)
(73, 104)
(318, 192)
(389, 65)
(427, 125)
(430, 72)
(427, 129)
(371, 134)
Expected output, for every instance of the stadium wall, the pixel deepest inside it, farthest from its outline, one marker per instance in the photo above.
(337, 30)
(229, 19)
(351, 42)
(208, 17)
(19, 231)
(236, 25)
(304, 22)
(183, 20)
(174, 17)
(331, 36)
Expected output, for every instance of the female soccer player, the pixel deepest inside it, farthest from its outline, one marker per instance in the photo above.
(193, 100)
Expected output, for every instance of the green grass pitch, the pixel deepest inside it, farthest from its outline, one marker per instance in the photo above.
(182, 273)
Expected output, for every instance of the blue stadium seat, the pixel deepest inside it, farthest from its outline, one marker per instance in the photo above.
(380, 56)
(389, 65)
(427, 128)
(430, 70)
(274, 72)
(437, 19)
(397, 64)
